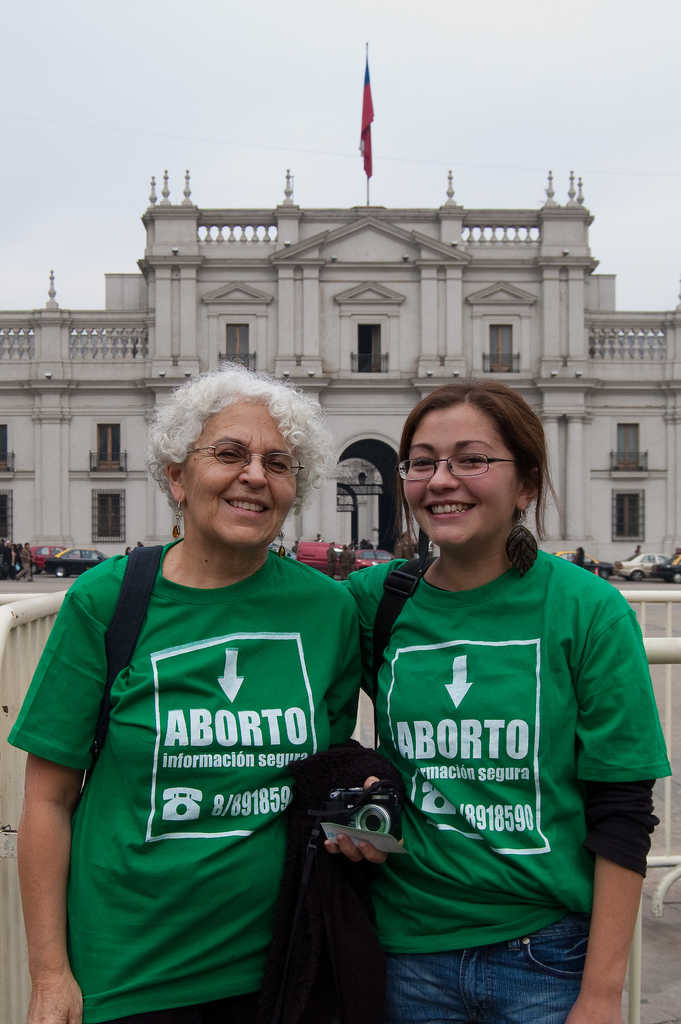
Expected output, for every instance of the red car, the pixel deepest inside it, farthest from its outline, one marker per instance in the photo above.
(39, 552)
(313, 552)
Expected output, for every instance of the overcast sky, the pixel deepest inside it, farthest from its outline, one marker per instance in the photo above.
(98, 97)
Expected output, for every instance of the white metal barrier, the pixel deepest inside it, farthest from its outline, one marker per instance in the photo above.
(25, 624)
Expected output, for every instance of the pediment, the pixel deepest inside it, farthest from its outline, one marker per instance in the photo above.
(237, 293)
(369, 293)
(358, 236)
(501, 293)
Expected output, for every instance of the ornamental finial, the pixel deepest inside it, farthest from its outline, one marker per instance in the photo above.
(288, 188)
(580, 193)
(450, 186)
(165, 191)
(51, 294)
(550, 192)
(153, 198)
(571, 190)
(186, 192)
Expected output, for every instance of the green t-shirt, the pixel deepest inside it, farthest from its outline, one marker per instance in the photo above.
(178, 842)
(495, 704)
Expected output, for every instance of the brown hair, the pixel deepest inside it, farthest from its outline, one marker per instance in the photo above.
(517, 424)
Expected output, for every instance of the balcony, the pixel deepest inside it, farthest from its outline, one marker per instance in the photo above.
(98, 464)
(7, 462)
(493, 362)
(628, 462)
(369, 362)
(246, 359)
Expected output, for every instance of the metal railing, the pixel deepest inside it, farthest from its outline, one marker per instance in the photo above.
(24, 627)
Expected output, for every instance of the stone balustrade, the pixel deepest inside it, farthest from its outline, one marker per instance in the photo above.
(627, 341)
(491, 229)
(17, 343)
(218, 231)
(109, 342)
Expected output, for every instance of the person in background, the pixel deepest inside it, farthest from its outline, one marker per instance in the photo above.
(346, 562)
(150, 899)
(579, 557)
(515, 699)
(331, 559)
(25, 557)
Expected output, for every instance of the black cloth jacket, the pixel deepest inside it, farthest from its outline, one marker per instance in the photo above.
(325, 965)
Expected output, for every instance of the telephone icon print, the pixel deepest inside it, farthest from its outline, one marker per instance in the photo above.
(181, 804)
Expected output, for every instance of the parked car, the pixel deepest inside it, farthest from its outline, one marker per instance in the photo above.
(39, 552)
(639, 567)
(669, 571)
(595, 565)
(73, 561)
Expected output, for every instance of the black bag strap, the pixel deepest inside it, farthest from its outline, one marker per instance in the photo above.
(398, 585)
(124, 629)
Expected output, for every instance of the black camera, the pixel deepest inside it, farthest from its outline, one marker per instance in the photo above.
(375, 809)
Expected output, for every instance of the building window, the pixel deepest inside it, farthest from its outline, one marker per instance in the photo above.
(628, 515)
(500, 358)
(108, 516)
(6, 515)
(628, 456)
(3, 445)
(238, 346)
(108, 454)
(368, 358)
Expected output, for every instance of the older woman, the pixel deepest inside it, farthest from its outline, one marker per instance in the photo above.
(151, 898)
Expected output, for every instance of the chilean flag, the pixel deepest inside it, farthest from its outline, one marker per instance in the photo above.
(367, 118)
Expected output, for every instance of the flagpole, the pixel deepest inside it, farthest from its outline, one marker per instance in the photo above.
(366, 57)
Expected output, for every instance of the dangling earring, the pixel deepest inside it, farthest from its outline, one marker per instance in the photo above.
(423, 548)
(521, 548)
(177, 528)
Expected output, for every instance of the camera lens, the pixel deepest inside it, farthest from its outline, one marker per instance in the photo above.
(373, 818)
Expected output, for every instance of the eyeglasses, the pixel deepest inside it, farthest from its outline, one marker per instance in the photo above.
(423, 468)
(231, 453)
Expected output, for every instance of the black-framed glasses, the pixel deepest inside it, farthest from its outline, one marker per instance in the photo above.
(421, 467)
(231, 453)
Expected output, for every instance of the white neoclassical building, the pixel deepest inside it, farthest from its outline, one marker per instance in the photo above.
(368, 309)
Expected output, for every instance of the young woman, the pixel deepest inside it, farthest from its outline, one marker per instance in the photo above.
(516, 702)
(150, 901)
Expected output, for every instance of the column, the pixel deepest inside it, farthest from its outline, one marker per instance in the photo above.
(428, 346)
(311, 351)
(454, 318)
(551, 314)
(675, 484)
(188, 314)
(553, 511)
(671, 428)
(285, 322)
(576, 329)
(162, 318)
(575, 490)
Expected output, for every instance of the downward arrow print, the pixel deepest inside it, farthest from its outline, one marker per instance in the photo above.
(459, 686)
(230, 681)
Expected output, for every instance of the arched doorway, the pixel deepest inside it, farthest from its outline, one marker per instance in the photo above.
(383, 459)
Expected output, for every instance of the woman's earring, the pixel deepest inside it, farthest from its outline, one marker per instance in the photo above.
(177, 528)
(521, 548)
(423, 547)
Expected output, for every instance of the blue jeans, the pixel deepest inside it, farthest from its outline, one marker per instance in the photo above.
(534, 979)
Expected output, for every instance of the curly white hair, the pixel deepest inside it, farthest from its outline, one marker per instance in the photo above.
(178, 422)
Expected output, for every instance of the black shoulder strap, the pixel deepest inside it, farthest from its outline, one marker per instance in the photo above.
(397, 587)
(124, 629)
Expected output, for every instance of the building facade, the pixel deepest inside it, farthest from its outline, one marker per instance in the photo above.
(367, 309)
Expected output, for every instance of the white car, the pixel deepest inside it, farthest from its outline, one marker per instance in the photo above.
(639, 567)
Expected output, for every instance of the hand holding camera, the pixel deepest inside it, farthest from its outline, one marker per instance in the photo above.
(364, 823)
